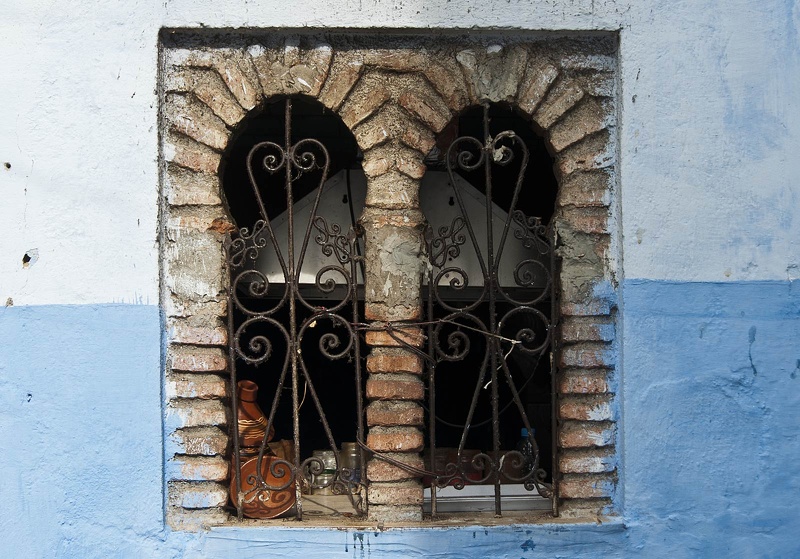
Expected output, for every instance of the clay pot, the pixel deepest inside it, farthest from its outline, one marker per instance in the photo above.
(261, 502)
(250, 419)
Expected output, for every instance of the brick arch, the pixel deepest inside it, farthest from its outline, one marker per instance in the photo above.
(566, 87)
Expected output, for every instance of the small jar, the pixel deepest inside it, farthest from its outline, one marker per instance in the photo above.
(351, 460)
(328, 459)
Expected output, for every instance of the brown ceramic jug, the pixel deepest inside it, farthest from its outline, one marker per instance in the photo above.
(250, 419)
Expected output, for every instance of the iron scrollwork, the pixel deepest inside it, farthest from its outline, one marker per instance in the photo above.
(511, 320)
(265, 306)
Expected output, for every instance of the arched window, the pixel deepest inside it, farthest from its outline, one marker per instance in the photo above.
(293, 184)
(489, 196)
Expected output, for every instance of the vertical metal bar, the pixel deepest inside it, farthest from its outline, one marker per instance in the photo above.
(357, 356)
(555, 326)
(292, 305)
(491, 280)
(237, 459)
(432, 393)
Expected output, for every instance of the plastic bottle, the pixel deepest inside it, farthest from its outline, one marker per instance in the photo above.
(525, 448)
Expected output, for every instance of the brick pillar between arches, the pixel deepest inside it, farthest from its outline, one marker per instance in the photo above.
(395, 261)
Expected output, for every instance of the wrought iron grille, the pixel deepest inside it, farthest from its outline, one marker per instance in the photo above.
(496, 335)
(269, 322)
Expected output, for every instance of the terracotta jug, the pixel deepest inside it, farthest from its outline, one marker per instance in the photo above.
(250, 419)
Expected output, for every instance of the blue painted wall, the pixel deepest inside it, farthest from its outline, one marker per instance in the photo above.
(710, 393)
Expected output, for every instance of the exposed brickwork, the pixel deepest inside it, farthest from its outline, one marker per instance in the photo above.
(395, 101)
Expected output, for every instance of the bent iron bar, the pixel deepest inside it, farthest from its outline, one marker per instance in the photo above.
(470, 154)
(255, 348)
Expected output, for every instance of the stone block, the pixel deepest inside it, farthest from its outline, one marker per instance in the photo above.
(375, 163)
(585, 220)
(583, 381)
(236, 70)
(192, 118)
(588, 329)
(596, 461)
(588, 117)
(196, 413)
(539, 77)
(589, 189)
(588, 307)
(195, 385)
(209, 87)
(564, 95)
(194, 264)
(435, 117)
(185, 187)
(394, 513)
(493, 72)
(186, 152)
(586, 408)
(585, 509)
(593, 152)
(447, 80)
(418, 137)
(344, 73)
(198, 441)
(197, 359)
(194, 520)
(587, 487)
(587, 355)
(395, 439)
(360, 107)
(584, 434)
(372, 133)
(393, 191)
(389, 413)
(395, 493)
(380, 470)
(410, 335)
(395, 387)
(390, 360)
(198, 468)
(183, 332)
(197, 310)
(197, 495)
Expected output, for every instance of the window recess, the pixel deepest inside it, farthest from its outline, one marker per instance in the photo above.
(292, 304)
(491, 313)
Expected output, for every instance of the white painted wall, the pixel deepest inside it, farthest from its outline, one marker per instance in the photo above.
(710, 129)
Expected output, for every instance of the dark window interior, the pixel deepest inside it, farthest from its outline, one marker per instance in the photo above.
(333, 380)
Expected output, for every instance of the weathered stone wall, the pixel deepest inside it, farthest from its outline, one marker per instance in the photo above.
(396, 95)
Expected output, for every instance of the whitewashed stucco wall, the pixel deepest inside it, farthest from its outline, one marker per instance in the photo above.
(709, 130)
(709, 135)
